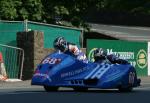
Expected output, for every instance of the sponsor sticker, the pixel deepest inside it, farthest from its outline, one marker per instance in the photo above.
(41, 75)
(91, 54)
(74, 72)
(142, 59)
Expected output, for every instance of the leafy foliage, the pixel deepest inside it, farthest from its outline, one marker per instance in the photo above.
(8, 9)
(66, 12)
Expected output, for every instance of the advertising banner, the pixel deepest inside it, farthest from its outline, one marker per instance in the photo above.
(134, 52)
(148, 58)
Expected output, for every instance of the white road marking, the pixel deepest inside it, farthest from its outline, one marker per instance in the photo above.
(145, 83)
(14, 93)
(142, 88)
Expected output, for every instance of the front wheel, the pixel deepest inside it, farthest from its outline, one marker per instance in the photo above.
(50, 88)
(127, 89)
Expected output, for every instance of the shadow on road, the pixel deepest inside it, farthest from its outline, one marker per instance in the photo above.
(70, 96)
(83, 92)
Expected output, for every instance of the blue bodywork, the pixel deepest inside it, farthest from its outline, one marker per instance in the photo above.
(62, 70)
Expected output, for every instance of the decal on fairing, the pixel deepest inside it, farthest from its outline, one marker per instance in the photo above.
(41, 75)
(98, 71)
(51, 60)
(75, 72)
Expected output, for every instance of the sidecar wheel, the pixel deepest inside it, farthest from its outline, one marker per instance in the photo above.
(50, 88)
(80, 89)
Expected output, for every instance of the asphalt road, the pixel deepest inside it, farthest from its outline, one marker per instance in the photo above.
(38, 95)
(23, 92)
(137, 31)
(123, 32)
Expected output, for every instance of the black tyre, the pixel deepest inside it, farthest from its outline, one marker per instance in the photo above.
(127, 89)
(80, 89)
(50, 88)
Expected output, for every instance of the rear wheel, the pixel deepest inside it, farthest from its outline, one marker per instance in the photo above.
(80, 89)
(50, 88)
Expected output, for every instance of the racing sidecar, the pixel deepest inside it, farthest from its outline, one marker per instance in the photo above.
(62, 70)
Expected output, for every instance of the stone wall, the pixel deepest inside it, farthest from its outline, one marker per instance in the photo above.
(33, 44)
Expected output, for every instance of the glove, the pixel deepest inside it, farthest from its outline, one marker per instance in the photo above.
(121, 61)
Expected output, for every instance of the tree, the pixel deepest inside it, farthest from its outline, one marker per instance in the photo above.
(71, 11)
(132, 6)
(31, 10)
(21, 10)
(66, 12)
(8, 9)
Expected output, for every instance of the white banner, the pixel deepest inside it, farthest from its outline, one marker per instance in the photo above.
(149, 58)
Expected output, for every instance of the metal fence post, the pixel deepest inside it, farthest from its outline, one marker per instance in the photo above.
(26, 25)
(14, 60)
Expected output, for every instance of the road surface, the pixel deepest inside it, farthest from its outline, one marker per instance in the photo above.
(23, 92)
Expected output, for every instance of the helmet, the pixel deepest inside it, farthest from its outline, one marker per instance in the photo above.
(60, 44)
(100, 54)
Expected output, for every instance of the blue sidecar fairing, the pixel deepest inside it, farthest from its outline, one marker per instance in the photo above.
(62, 70)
